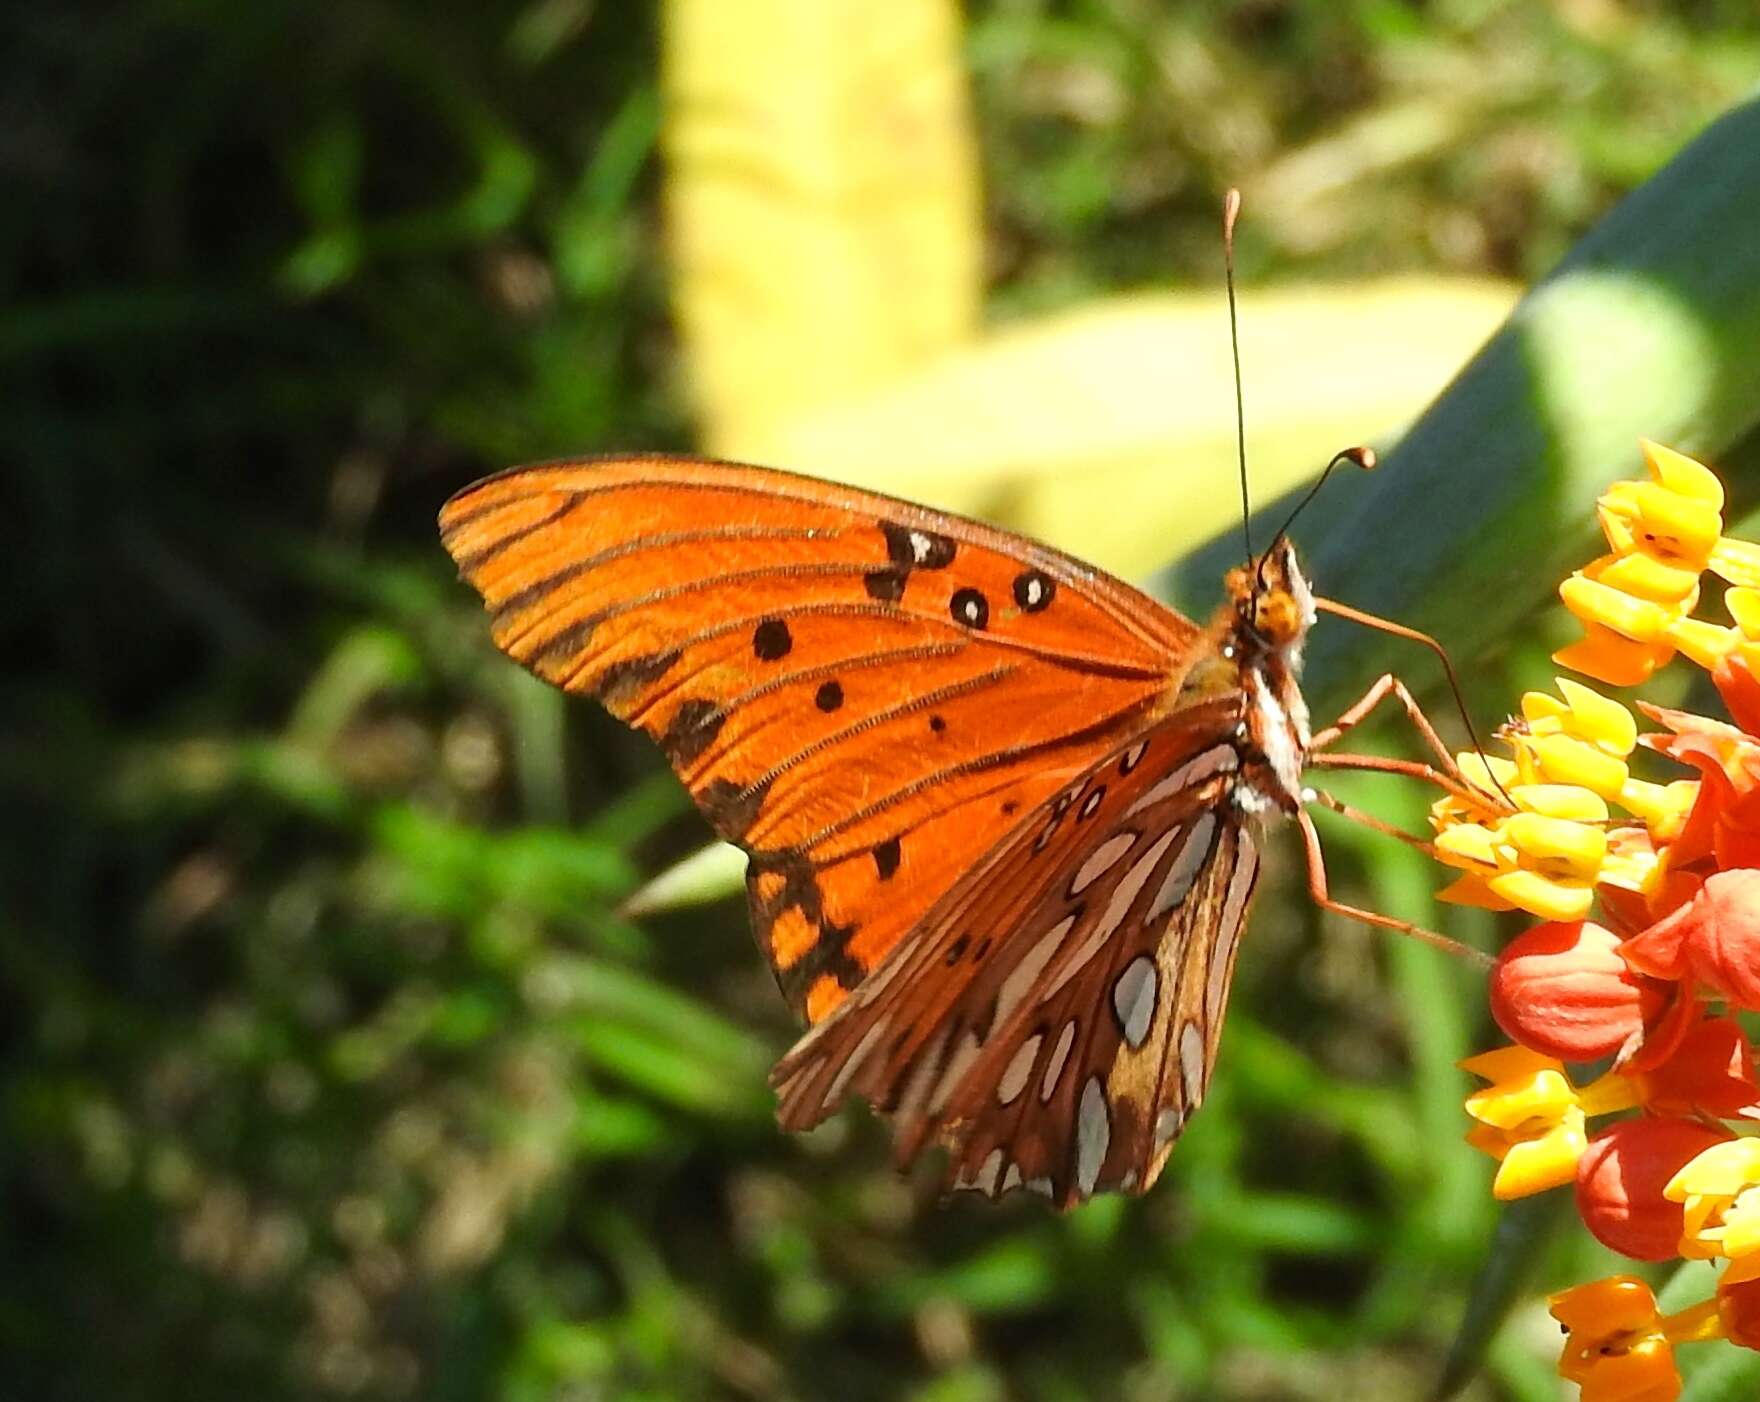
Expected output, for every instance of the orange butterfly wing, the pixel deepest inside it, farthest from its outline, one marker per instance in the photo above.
(864, 694)
(1054, 1019)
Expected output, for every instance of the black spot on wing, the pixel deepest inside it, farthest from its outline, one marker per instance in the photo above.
(692, 727)
(771, 640)
(886, 857)
(830, 951)
(969, 607)
(731, 807)
(887, 585)
(829, 696)
(566, 643)
(911, 547)
(1034, 590)
(623, 681)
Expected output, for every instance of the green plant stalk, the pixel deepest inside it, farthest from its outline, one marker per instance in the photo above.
(1650, 327)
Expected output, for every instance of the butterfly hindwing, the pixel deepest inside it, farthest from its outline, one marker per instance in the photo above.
(1054, 1019)
(864, 694)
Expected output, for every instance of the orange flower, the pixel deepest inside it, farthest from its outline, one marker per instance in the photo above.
(1714, 938)
(1615, 1348)
(1710, 1072)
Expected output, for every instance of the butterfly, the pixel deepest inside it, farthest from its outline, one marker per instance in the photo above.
(1001, 809)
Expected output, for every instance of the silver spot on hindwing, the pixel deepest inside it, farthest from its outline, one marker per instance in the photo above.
(1228, 929)
(1101, 861)
(1133, 999)
(852, 1064)
(1168, 1124)
(1117, 907)
(1020, 1066)
(1059, 1054)
(1012, 1179)
(1178, 882)
(963, 1057)
(1191, 1063)
(1093, 1135)
(1031, 965)
(1133, 757)
(1218, 759)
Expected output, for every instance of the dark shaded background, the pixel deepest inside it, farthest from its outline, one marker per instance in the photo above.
(327, 1067)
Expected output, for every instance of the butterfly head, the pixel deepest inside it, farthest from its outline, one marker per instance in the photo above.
(1272, 607)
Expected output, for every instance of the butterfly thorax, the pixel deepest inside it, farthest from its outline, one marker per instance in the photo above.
(1260, 632)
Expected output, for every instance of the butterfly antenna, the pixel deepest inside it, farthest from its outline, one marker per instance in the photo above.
(1231, 208)
(1361, 456)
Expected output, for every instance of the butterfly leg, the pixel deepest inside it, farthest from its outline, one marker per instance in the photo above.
(1390, 685)
(1369, 820)
(1322, 897)
(1448, 777)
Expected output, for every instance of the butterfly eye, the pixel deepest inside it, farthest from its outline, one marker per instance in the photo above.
(1275, 617)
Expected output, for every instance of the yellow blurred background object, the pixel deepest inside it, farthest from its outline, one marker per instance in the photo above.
(825, 229)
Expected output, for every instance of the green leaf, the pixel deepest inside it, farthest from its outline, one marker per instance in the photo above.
(1651, 327)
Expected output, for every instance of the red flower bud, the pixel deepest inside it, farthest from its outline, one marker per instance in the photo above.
(1621, 1176)
(1715, 937)
(1562, 989)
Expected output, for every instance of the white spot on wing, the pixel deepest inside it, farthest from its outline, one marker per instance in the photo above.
(1041, 1186)
(1012, 1179)
(1100, 861)
(1133, 999)
(1020, 1066)
(1168, 1125)
(1059, 1054)
(1093, 1135)
(1184, 870)
(985, 1182)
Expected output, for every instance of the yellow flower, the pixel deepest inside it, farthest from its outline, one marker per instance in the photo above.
(1707, 643)
(1583, 739)
(1532, 1120)
(1719, 1191)
(1636, 603)
(1662, 808)
(1545, 858)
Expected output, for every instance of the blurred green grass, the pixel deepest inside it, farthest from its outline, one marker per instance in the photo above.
(329, 1067)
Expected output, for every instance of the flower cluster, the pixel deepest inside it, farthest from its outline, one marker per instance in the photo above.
(1649, 898)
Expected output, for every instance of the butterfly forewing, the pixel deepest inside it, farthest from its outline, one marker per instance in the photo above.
(1054, 1019)
(864, 694)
